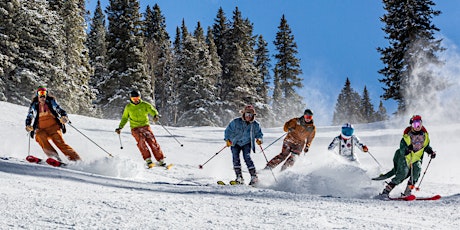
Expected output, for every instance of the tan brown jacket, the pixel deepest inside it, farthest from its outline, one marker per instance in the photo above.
(300, 132)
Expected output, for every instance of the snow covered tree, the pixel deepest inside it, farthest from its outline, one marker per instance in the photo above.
(348, 106)
(97, 46)
(126, 61)
(412, 50)
(367, 108)
(381, 113)
(262, 63)
(196, 90)
(74, 88)
(287, 70)
(159, 59)
(38, 53)
(8, 45)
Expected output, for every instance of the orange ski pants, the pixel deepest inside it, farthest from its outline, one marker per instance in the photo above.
(50, 130)
(145, 139)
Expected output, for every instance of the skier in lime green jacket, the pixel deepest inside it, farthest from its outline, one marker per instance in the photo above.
(137, 113)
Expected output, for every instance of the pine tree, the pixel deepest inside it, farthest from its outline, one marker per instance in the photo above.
(126, 61)
(262, 63)
(159, 60)
(40, 56)
(367, 108)
(413, 49)
(348, 106)
(287, 71)
(381, 114)
(240, 77)
(97, 47)
(74, 88)
(8, 45)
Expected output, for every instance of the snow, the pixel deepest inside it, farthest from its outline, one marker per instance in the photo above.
(321, 191)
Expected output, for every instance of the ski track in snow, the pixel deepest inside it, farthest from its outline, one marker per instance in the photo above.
(321, 191)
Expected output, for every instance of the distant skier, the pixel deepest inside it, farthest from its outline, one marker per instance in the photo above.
(137, 113)
(48, 124)
(407, 160)
(240, 135)
(346, 142)
(301, 132)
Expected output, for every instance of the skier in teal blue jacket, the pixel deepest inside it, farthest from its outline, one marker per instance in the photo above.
(241, 135)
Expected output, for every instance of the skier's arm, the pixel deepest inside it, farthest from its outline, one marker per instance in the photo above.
(334, 143)
(124, 118)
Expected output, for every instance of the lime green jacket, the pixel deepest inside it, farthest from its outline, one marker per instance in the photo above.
(415, 156)
(137, 115)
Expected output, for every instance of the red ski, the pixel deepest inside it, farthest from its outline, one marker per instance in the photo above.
(435, 197)
(405, 198)
(50, 161)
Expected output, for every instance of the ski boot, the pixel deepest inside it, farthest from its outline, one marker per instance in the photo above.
(385, 195)
(254, 178)
(149, 163)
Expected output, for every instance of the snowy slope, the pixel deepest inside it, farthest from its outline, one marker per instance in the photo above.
(321, 191)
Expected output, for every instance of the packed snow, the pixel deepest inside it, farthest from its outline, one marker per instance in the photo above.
(321, 191)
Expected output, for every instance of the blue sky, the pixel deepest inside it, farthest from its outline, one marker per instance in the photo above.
(335, 38)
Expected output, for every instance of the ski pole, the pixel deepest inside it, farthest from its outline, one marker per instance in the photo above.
(28, 148)
(181, 145)
(119, 138)
(89, 139)
(271, 170)
(266, 147)
(201, 166)
(418, 188)
(411, 172)
(374, 159)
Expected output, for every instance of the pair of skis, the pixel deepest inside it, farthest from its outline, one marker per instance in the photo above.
(50, 161)
(413, 197)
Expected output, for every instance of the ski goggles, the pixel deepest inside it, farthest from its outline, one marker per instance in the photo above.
(416, 124)
(308, 117)
(41, 93)
(248, 114)
(135, 99)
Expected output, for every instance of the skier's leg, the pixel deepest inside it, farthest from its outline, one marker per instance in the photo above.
(402, 170)
(153, 144)
(237, 163)
(41, 136)
(290, 161)
(141, 144)
(58, 140)
(285, 151)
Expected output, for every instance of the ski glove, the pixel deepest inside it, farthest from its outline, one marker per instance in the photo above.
(365, 149)
(305, 149)
(118, 130)
(409, 149)
(156, 118)
(229, 143)
(259, 141)
(29, 128)
(64, 119)
(433, 155)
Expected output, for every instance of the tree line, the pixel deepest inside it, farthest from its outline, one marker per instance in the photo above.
(200, 77)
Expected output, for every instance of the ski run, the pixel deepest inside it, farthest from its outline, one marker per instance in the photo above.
(321, 191)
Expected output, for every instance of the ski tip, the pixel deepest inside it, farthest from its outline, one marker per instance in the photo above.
(220, 182)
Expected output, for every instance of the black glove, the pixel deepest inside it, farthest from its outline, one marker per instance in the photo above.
(118, 130)
(409, 149)
(433, 155)
(305, 149)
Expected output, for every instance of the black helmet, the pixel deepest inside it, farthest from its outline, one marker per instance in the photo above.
(308, 112)
(135, 93)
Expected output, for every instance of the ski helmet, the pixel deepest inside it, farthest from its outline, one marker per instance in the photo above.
(308, 112)
(347, 131)
(135, 93)
(41, 91)
(415, 118)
